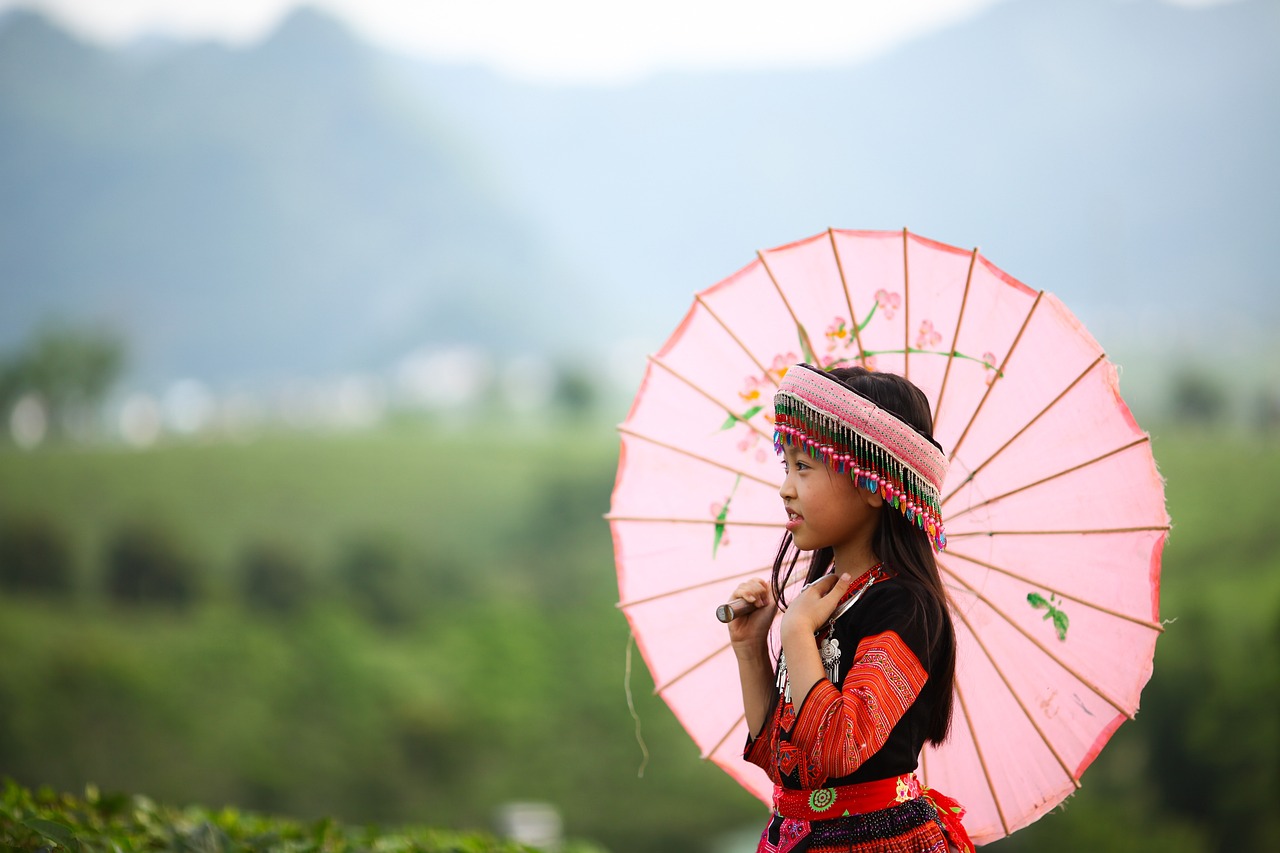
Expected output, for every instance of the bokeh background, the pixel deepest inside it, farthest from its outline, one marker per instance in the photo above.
(315, 321)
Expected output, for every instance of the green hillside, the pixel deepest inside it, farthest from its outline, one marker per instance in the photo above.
(433, 635)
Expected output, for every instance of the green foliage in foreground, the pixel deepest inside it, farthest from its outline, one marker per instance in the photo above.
(48, 821)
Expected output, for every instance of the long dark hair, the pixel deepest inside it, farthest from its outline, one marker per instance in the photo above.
(902, 547)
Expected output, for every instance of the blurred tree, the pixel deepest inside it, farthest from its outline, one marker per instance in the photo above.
(1216, 762)
(550, 537)
(372, 577)
(575, 392)
(34, 557)
(274, 579)
(1197, 398)
(1266, 410)
(70, 369)
(145, 565)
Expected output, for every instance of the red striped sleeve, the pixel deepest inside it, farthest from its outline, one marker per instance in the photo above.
(840, 729)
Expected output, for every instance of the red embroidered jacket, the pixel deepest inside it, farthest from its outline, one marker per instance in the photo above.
(873, 725)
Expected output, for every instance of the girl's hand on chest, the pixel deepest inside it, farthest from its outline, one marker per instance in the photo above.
(811, 609)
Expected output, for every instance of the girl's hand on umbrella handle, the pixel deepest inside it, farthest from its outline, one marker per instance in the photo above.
(749, 596)
(751, 610)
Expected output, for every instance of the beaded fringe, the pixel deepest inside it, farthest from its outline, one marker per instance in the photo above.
(911, 827)
(871, 466)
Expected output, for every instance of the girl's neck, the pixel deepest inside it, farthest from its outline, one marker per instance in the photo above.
(855, 561)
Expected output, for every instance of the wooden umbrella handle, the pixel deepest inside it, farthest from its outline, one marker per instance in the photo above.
(733, 609)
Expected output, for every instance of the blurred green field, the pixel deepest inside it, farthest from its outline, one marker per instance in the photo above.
(447, 490)
(487, 663)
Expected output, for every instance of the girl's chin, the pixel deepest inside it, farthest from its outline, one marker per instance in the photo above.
(803, 543)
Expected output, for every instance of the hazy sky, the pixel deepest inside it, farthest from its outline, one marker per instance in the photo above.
(560, 40)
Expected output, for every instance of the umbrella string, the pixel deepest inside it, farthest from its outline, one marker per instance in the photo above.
(631, 706)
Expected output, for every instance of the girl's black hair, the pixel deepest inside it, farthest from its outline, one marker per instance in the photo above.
(898, 543)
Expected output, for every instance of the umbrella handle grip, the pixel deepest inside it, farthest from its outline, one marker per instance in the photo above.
(733, 609)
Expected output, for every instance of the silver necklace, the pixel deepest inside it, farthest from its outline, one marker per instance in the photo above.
(829, 646)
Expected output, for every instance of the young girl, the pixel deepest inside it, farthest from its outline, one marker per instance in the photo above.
(867, 664)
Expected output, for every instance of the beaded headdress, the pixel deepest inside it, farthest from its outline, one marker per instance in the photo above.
(851, 434)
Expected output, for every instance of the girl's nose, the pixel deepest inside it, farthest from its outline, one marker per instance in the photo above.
(786, 490)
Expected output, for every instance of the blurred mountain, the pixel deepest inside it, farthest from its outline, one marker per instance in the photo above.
(249, 214)
(313, 205)
(1119, 154)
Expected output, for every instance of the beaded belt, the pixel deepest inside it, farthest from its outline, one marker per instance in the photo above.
(826, 803)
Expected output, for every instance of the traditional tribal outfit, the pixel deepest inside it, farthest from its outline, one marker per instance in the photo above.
(843, 760)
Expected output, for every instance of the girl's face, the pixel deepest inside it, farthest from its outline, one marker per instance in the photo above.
(825, 509)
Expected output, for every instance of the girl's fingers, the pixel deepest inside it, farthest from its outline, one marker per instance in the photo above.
(826, 594)
(753, 590)
(823, 585)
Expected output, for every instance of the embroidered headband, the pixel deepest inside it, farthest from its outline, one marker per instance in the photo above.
(851, 434)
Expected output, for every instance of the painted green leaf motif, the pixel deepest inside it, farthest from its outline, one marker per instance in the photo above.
(720, 520)
(867, 319)
(1060, 622)
(722, 517)
(742, 418)
(1051, 607)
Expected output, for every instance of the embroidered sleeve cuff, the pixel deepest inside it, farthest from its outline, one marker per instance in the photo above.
(757, 750)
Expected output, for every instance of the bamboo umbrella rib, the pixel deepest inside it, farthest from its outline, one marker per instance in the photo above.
(848, 299)
(707, 394)
(1037, 643)
(1145, 623)
(906, 309)
(736, 339)
(622, 605)
(804, 336)
(657, 691)
(1061, 394)
(995, 379)
(977, 745)
(955, 338)
(971, 533)
(728, 522)
(1026, 712)
(698, 457)
(724, 737)
(1044, 480)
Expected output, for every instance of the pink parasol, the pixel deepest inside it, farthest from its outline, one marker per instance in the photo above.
(1053, 507)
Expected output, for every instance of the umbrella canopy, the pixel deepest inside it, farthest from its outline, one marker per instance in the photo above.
(1053, 507)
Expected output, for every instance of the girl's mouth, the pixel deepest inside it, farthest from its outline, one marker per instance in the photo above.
(793, 520)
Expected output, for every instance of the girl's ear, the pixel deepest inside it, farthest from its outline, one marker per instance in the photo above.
(873, 499)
